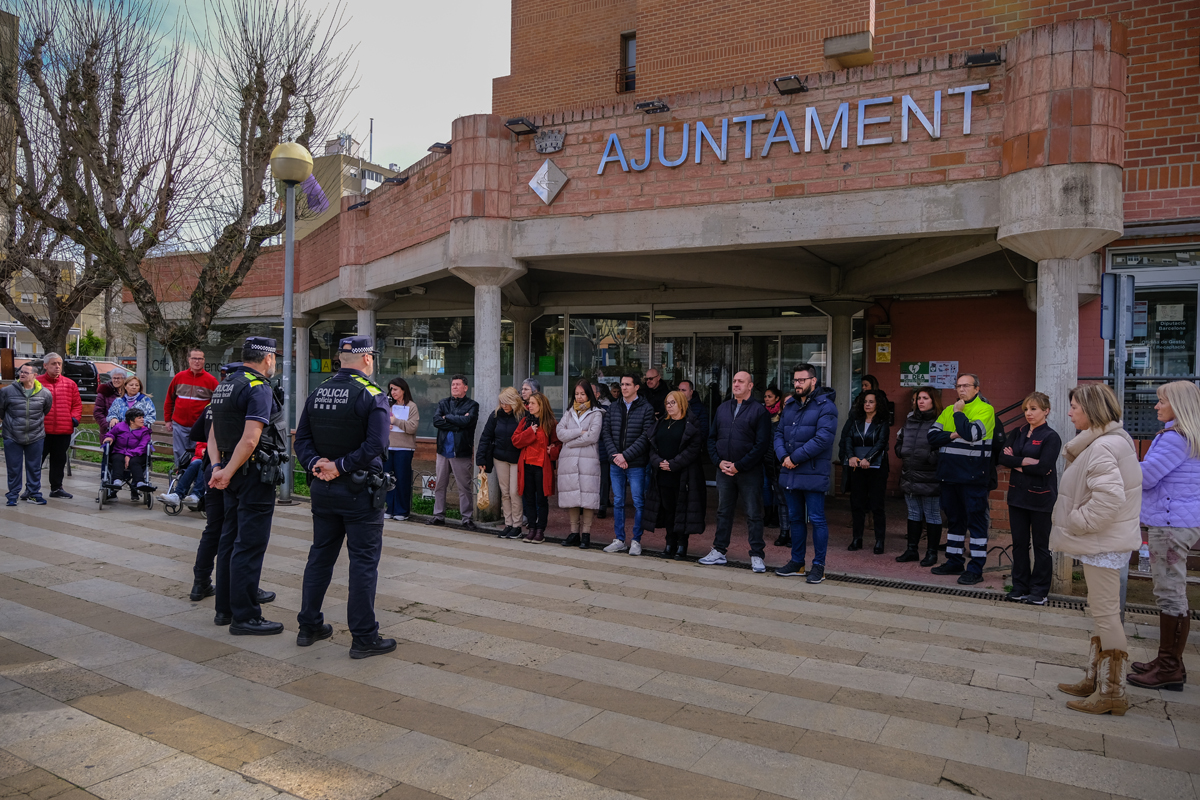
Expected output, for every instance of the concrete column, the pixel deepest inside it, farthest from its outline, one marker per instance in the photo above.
(143, 355)
(1057, 366)
(366, 322)
(521, 317)
(841, 363)
(486, 382)
(302, 365)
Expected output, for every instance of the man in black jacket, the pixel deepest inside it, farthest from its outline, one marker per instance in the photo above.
(737, 443)
(655, 390)
(455, 421)
(626, 439)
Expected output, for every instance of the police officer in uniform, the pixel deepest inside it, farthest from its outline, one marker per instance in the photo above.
(246, 448)
(341, 439)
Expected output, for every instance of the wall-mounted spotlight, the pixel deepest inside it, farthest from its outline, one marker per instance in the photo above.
(399, 180)
(359, 205)
(521, 126)
(439, 147)
(790, 84)
(982, 59)
(652, 107)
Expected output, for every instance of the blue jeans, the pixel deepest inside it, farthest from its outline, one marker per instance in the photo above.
(188, 483)
(810, 505)
(635, 477)
(29, 456)
(928, 509)
(399, 500)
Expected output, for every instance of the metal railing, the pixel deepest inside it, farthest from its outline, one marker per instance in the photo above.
(626, 79)
(1140, 418)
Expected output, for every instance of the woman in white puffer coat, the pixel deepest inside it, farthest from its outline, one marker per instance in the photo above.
(579, 463)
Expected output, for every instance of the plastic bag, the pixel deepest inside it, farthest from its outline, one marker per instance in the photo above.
(483, 499)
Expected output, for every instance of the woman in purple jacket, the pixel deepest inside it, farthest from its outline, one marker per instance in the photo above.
(130, 445)
(1171, 511)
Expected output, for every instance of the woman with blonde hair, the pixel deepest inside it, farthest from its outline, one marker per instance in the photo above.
(1096, 521)
(497, 452)
(1171, 512)
(676, 495)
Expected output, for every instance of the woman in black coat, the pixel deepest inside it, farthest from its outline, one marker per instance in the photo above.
(496, 451)
(863, 453)
(1031, 452)
(676, 494)
(918, 476)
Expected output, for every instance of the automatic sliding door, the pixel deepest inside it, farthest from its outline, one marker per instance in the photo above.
(758, 354)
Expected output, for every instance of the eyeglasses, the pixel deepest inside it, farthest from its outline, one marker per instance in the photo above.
(964, 386)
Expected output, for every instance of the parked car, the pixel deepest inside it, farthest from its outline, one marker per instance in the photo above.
(80, 371)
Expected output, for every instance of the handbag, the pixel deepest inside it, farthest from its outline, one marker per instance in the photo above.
(483, 499)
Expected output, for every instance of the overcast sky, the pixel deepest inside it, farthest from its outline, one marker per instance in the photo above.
(420, 65)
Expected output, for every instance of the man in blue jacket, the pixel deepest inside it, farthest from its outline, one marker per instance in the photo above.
(740, 437)
(804, 444)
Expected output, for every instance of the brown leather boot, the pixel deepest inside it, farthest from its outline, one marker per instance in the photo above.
(1088, 685)
(1109, 697)
(1166, 671)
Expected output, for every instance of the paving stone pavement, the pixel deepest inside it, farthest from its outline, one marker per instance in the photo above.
(540, 672)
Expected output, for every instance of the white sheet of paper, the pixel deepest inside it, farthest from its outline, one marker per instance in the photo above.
(400, 413)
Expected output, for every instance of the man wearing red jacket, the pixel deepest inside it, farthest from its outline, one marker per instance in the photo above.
(187, 397)
(66, 412)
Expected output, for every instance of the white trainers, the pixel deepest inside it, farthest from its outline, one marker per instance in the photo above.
(757, 564)
(635, 548)
(387, 515)
(191, 500)
(117, 484)
(715, 557)
(170, 498)
(617, 546)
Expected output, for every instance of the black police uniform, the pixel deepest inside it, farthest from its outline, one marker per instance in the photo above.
(345, 420)
(245, 395)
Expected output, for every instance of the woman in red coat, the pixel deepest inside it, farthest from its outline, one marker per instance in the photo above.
(536, 439)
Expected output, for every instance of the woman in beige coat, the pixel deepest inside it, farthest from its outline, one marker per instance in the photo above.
(579, 463)
(1096, 520)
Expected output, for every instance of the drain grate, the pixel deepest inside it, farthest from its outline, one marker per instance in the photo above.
(1055, 601)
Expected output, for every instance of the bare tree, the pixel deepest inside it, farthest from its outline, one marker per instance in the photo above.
(167, 133)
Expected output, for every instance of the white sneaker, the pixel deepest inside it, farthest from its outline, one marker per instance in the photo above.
(191, 500)
(401, 518)
(387, 515)
(117, 484)
(715, 557)
(757, 564)
(170, 498)
(617, 546)
(635, 548)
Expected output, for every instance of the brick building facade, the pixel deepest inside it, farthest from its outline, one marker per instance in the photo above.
(742, 228)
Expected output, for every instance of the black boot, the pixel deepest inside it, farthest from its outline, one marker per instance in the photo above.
(911, 552)
(880, 531)
(572, 540)
(855, 543)
(201, 590)
(680, 548)
(585, 541)
(784, 539)
(935, 539)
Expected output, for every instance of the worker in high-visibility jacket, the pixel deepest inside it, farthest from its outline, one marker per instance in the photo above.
(963, 435)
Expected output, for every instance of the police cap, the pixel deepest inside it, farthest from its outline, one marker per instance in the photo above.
(261, 344)
(359, 345)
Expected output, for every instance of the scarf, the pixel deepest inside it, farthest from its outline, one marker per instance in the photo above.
(581, 407)
(773, 410)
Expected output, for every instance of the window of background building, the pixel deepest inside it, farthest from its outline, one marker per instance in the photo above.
(427, 353)
(626, 77)
(546, 358)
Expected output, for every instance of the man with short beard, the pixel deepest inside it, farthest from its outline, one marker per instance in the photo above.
(804, 444)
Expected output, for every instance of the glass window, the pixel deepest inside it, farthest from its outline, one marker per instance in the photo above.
(601, 348)
(737, 313)
(803, 350)
(545, 358)
(427, 352)
(673, 358)
(1164, 332)
(758, 354)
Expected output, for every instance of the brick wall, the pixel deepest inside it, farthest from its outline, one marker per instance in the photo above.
(566, 54)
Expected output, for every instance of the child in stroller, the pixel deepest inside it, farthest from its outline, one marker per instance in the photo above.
(129, 454)
(185, 480)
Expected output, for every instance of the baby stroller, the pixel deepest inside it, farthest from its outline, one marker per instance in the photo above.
(109, 485)
(174, 478)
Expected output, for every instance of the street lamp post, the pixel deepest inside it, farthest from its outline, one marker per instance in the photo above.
(292, 164)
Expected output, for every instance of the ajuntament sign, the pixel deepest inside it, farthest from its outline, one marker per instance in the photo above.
(706, 139)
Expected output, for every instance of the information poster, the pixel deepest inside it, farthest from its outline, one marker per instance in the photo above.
(938, 374)
(883, 352)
